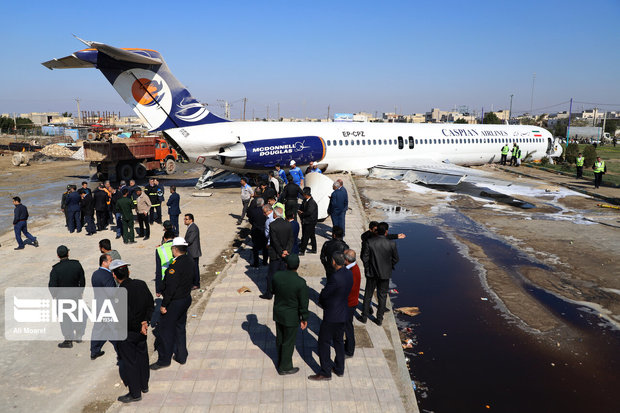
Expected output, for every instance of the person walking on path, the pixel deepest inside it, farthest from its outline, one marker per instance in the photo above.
(599, 168)
(133, 352)
(334, 301)
(143, 208)
(176, 293)
(505, 150)
(379, 258)
(338, 205)
(309, 213)
(125, 206)
(246, 196)
(579, 165)
(68, 273)
(353, 301)
(174, 209)
(192, 236)
(101, 278)
(290, 311)
(20, 224)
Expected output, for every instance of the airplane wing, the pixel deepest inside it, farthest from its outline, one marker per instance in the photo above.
(426, 171)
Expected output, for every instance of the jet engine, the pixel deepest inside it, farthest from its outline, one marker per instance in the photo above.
(266, 153)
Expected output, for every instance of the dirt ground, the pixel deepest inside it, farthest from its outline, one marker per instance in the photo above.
(576, 242)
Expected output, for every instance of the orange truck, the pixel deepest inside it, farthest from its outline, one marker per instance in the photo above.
(133, 158)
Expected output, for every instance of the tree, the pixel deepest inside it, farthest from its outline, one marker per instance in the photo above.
(461, 120)
(491, 118)
(67, 114)
(611, 126)
(560, 127)
(589, 152)
(572, 150)
(6, 124)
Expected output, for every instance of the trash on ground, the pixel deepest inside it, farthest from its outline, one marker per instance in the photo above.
(484, 299)
(194, 316)
(410, 311)
(439, 238)
(243, 290)
(202, 194)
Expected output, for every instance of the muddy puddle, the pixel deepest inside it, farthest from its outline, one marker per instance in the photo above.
(470, 355)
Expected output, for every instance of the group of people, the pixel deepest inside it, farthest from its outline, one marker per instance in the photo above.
(599, 168)
(112, 205)
(515, 155)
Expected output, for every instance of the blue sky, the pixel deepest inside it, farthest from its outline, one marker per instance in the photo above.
(351, 55)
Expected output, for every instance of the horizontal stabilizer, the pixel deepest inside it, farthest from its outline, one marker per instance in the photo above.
(68, 62)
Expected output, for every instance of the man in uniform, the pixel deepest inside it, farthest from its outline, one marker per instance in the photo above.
(63, 204)
(579, 163)
(133, 352)
(20, 224)
(174, 209)
(73, 210)
(68, 273)
(518, 156)
(176, 292)
(280, 246)
(505, 150)
(336, 244)
(513, 154)
(102, 201)
(291, 192)
(290, 310)
(599, 170)
(309, 213)
(296, 174)
(125, 206)
(151, 192)
(334, 301)
(192, 236)
(281, 174)
(314, 167)
(160, 200)
(379, 257)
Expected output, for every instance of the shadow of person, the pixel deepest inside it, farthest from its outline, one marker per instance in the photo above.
(261, 337)
(306, 344)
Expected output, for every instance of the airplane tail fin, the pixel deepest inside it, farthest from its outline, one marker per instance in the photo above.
(144, 81)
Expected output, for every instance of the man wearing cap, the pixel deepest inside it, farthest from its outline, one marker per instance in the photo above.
(143, 207)
(176, 292)
(68, 273)
(125, 206)
(192, 236)
(290, 310)
(101, 278)
(314, 167)
(133, 352)
(309, 213)
(174, 209)
(297, 174)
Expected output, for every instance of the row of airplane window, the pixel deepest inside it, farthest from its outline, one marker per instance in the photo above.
(411, 141)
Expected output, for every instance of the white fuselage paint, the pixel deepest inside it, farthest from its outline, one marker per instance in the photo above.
(353, 146)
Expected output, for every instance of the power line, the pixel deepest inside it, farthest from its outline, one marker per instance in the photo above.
(598, 104)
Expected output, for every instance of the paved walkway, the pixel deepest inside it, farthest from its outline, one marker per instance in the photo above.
(232, 354)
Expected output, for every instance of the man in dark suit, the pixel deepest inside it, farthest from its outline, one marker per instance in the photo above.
(192, 237)
(259, 242)
(336, 244)
(73, 210)
(101, 199)
(334, 299)
(290, 310)
(101, 278)
(176, 293)
(133, 355)
(338, 205)
(379, 258)
(290, 193)
(68, 273)
(309, 213)
(87, 208)
(280, 246)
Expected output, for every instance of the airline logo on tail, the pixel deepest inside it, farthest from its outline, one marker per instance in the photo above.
(147, 92)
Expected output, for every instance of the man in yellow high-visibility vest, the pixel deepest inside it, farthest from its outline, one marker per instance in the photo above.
(579, 162)
(505, 150)
(599, 169)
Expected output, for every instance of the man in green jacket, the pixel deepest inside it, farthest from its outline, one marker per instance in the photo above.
(290, 309)
(125, 206)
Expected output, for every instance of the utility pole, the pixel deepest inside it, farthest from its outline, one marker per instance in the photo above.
(278, 111)
(227, 109)
(570, 111)
(245, 100)
(482, 116)
(79, 113)
(253, 114)
(510, 110)
(328, 110)
(604, 122)
(532, 97)
(594, 113)
(267, 112)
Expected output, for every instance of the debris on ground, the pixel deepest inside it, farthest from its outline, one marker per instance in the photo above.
(202, 194)
(79, 154)
(484, 299)
(243, 290)
(410, 311)
(57, 151)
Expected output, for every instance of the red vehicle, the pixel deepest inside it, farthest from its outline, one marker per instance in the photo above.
(132, 158)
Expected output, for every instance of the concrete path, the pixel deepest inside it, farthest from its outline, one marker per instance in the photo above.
(232, 354)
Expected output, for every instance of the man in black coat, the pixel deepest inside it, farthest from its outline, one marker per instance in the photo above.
(176, 293)
(309, 213)
(289, 196)
(192, 236)
(68, 273)
(87, 209)
(334, 301)
(280, 246)
(372, 232)
(101, 199)
(259, 242)
(379, 258)
(133, 364)
(336, 244)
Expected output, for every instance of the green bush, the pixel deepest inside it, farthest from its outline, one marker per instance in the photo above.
(572, 150)
(544, 161)
(589, 152)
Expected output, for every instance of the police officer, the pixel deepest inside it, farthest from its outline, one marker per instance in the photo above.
(177, 286)
(513, 154)
(63, 204)
(124, 206)
(133, 352)
(579, 163)
(505, 150)
(151, 191)
(291, 192)
(599, 169)
(163, 258)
